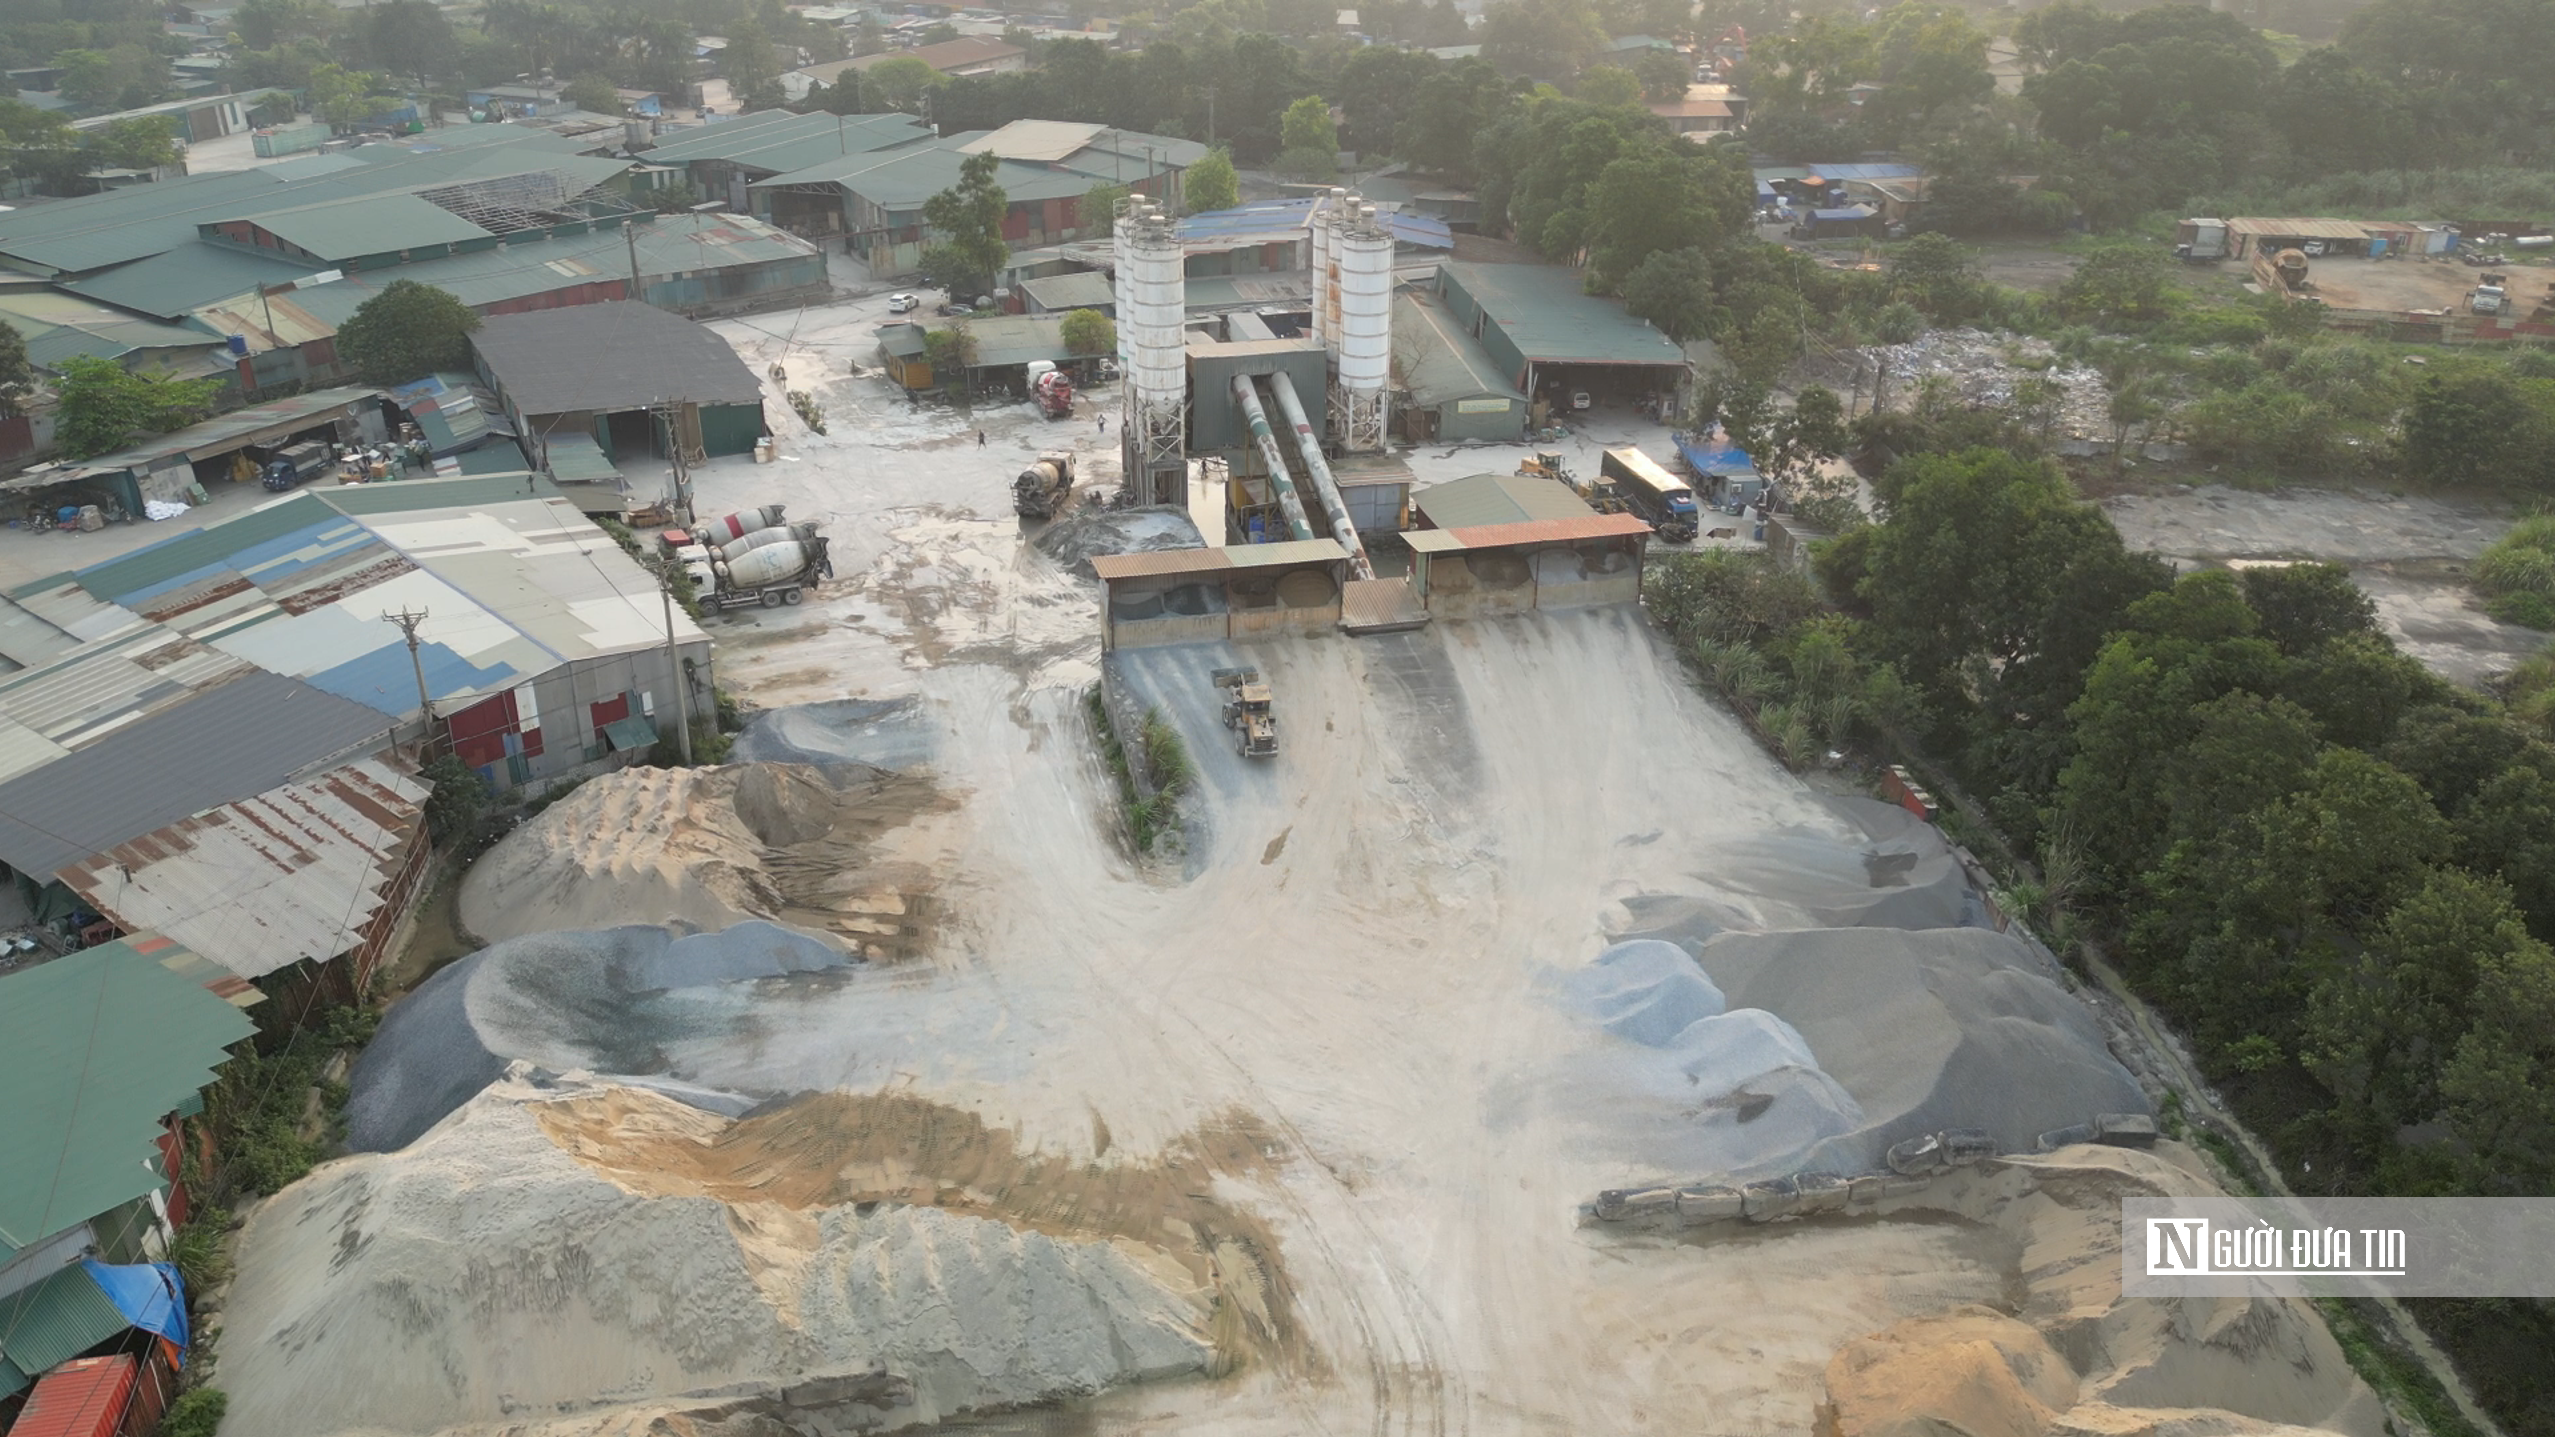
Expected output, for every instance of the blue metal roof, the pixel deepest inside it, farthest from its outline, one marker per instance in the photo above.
(1408, 227)
(1865, 172)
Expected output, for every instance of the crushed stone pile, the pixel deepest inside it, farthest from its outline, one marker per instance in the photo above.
(506, 1267)
(705, 848)
(1076, 539)
(1984, 368)
(606, 1002)
(877, 733)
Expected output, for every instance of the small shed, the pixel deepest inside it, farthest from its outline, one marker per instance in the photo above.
(1507, 568)
(1844, 222)
(1180, 596)
(904, 354)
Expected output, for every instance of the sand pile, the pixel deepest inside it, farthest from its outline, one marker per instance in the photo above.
(2073, 1358)
(705, 848)
(539, 1257)
(1074, 540)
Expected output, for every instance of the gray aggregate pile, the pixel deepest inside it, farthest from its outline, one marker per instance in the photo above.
(882, 733)
(1074, 540)
(610, 1002)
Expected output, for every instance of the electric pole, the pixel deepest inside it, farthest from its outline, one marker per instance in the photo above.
(674, 658)
(408, 623)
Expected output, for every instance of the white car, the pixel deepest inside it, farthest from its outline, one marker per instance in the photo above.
(902, 304)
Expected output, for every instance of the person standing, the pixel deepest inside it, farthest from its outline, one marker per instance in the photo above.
(980, 439)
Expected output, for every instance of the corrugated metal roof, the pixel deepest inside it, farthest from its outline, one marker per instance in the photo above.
(1836, 174)
(1437, 361)
(1538, 531)
(1160, 563)
(292, 874)
(788, 142)
(94, 232)
(608, 357)
(901, 179)
(95, 1048)
(577, 459)
(54, 1321)
(374, 224)
(2291, 227)
(57, 327)
(1045, 140)
(226, 432)
(229, 742)
(1018, 339)
(1086, 290)
(1484, 499)
(947, 55)
(1552, 320)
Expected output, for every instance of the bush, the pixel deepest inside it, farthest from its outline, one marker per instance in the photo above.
(195, 1414)
(2517, 573)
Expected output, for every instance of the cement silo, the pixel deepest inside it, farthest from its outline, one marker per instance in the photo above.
(1362, 342)
(1151, 310)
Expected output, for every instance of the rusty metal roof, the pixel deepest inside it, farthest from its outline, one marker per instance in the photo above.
(294, 873)
(1164, 563)
(2289, 227)
(1538, 531)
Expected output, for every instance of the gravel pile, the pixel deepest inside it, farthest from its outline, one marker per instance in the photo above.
(1073, 541)
(1984, 368)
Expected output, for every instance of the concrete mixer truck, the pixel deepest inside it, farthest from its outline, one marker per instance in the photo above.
(1052, 388)
(771, 567)
(1045, 487)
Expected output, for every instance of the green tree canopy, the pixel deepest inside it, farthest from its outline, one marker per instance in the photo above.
(406, 332)
(1088, 331)
(968, 218)
(105, 407)
(1212, 183)
(1673, 290)
(593, 92)
(17, 376)
(902, 84)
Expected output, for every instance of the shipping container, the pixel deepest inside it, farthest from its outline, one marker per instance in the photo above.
(85, 1397)
(292, 141)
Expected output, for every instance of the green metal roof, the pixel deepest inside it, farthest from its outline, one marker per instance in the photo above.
(410, 495)
(95, 1048)
(1552, 320)
(1436, 360)
(96, 231)
(57, 327)
(192, 275)
(1017, 339)
(789, 142)
(632, 733)
(577, 459)
(902, 179)
(52, 1322)
(1497, 499)
(374, 224)
(497, 456)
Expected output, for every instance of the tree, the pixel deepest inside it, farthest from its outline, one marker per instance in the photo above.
(1454, 108)
(1673, 290)
(2500, 1083)
(2117, 285)
(2302, 606)
(407, 331)
(1936, 275)
(104, 406)
(17, 376)
(2473, 422)
(1793, 451)
(1663, 74)
(1380, 89)
(346, 98)
(1608, 86)
(1099, 209)
(593, 92)
(902, 84)
(1547, 39)
(142, 143)
(1088, 331)
(968, 217)
(1664, 195)
(410, 37)
(1309, 141)
(1212, 183)
(265, 24)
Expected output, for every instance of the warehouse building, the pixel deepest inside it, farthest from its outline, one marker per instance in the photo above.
(722, 159)
(1451, 391)
(627, 381)
(1550, 338)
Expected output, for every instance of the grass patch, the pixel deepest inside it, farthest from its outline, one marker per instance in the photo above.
(1168, 770)
(2395, 1374)
(258, 1106)
(196, 1414)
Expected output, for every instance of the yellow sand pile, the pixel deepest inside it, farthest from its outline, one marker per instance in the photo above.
(710, 847)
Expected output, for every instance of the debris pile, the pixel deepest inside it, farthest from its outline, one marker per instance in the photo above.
(1984, 370)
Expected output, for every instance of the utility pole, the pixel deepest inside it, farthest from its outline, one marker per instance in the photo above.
(408, 623)
(1210, 117)
(674, 657)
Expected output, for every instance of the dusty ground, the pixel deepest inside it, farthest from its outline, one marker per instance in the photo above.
(1329, 1025)
(2020, 265)
(2411, 284)
(2408, 552)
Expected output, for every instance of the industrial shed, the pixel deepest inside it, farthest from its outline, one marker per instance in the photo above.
(1544, 333)
(1180, 596)
(1451, 390)
(621, 374)
(1510, 567)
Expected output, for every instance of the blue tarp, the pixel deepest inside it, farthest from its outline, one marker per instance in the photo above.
(1849, 214)
(149, 1294)
(1712, 454)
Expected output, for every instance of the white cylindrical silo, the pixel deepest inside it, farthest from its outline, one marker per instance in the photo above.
(1363, 287)
(1326, 209)
(1155, 309)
